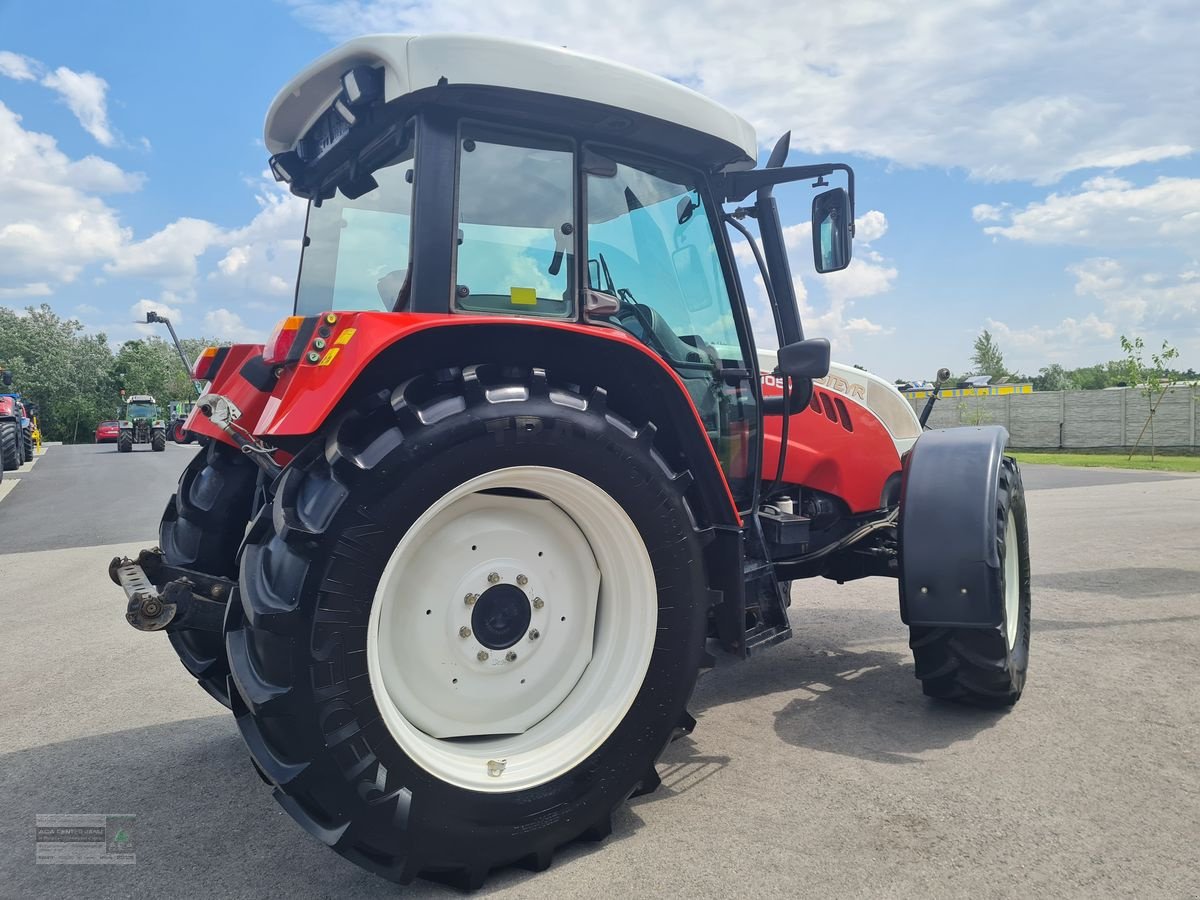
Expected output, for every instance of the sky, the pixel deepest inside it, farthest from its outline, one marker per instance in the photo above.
(1032, 168)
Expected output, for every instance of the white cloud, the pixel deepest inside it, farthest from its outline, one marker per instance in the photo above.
(1008, 89)
(1156, 299)
(168, 255)
(866, 276)
(25, 291)
(1105, 211)
(1154, 304)
(263, 256)
(52, 224)
(18, 67)
(228, 326)
(84, 93)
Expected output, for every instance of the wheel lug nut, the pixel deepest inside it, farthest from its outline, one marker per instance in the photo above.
(534, 634)
(511, 655)
(538, 602)
(522, 580)
(482, 656)
(464, 632)
(470, 599)
(493, 577)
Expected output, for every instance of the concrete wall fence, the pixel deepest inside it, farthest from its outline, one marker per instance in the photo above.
(1078, 419)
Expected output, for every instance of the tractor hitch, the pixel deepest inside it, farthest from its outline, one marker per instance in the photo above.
(186, 600)
(223, 413)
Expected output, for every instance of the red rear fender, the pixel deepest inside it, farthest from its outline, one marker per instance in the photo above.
(367, 351)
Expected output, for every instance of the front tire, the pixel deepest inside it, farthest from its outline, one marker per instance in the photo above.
(366, 626)
(202, 529)
(987, 667)
(158, 441)
(125, 443)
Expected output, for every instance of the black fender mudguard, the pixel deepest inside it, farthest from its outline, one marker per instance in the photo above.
(949, 561)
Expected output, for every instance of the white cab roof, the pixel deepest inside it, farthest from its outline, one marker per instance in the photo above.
(415, 62)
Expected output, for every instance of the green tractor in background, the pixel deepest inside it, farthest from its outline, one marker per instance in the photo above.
(177, 413)
(141, 423)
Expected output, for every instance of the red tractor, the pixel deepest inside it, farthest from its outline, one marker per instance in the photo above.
(476, 515)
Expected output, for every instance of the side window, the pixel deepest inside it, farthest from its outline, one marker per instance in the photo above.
(650, 244)
(516, 209)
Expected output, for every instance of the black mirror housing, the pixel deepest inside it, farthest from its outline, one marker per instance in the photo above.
(6, 378)
(832, 230)
(805, 359)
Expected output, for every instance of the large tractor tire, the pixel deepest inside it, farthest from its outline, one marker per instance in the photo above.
(471, 620)
(202, 529)
(125, 442)
(10, 449)
(28, 445)
(987, 667)
(158, 441)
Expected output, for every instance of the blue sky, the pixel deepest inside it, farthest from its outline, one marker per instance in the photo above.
(1025, 167)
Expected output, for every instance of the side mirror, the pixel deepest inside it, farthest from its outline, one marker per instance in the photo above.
(831, 230)
(6, 378)
(802, 362)
(805, 359)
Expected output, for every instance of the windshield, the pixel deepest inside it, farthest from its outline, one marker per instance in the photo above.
(141, 411)
(356, 252)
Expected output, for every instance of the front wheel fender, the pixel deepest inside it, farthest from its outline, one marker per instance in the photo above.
(948, 528)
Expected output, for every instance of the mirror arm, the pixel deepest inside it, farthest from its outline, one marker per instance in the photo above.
(737, 186)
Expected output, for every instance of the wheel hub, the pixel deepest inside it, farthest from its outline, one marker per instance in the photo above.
(501, 616)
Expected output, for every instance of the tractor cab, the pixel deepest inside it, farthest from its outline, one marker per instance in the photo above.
(486, 177)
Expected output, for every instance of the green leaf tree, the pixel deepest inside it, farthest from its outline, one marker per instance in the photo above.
(987, 358)
(1153, 381)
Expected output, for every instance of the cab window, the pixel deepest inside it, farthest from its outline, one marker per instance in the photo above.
(650, 244)
(516, 214)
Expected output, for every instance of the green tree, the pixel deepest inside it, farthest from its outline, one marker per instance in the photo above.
(1152, 381)
(56, 366)
(987, 358)
(1053, 378)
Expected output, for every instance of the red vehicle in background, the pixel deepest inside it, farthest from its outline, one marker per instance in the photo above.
(107, 432)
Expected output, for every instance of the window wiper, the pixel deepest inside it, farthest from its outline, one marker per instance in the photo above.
(612, 288)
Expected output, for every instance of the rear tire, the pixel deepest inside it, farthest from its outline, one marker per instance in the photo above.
(179, 434)
(362, 531)
(202, 529)
(28, 445)
(10, 454)
(987, 667)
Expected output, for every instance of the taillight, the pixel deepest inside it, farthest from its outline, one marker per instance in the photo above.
(287, 340)
(208, 363)
(202, 367)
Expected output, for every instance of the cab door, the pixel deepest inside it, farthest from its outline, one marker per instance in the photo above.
(650, 241)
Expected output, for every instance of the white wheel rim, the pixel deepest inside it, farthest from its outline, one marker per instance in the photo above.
(496, 723)
(1012, 580)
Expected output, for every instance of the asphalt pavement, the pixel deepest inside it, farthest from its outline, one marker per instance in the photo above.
(816, 769)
